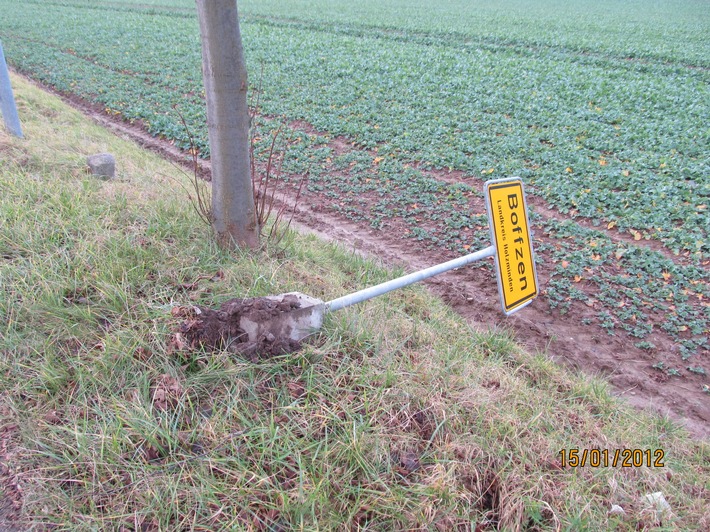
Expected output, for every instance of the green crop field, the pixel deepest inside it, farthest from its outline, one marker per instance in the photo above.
(603, 109)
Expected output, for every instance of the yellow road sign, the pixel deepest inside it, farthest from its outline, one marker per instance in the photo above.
(510, 234)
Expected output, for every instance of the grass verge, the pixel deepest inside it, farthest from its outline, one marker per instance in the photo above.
(397, 416)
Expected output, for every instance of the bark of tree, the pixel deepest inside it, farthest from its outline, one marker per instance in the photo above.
(225, 78)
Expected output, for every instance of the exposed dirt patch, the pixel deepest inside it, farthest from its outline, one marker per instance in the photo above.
(229, 327)
(472, 292)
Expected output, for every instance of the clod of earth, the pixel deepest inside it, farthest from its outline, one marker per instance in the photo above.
(231, 327)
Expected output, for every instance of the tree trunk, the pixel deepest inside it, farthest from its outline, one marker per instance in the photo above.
(225, 78)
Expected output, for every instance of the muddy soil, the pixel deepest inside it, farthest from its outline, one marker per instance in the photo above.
(206, 328)
(472, 292)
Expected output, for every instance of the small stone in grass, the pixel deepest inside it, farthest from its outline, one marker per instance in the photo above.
(102, 165)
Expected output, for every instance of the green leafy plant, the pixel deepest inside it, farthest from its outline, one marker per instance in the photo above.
(645, 345)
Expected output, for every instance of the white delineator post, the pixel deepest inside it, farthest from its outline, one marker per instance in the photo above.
(7, 100)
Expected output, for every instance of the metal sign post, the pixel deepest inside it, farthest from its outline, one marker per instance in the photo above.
(7, 100)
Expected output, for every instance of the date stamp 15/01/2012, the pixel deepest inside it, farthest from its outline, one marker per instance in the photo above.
(613, 458)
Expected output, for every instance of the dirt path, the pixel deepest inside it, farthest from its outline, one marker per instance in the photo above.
(472, 292)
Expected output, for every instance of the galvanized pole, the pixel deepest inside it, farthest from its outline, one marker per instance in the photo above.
(7, 100)
(400, 282)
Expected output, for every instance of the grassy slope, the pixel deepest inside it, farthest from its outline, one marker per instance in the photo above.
(397, 416)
